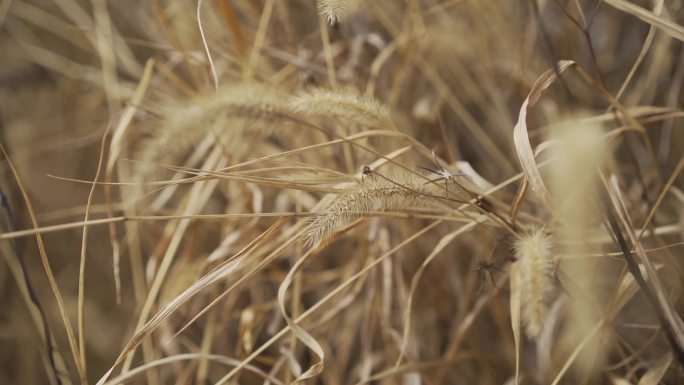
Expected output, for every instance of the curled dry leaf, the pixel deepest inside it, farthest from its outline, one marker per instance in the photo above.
(520, 132)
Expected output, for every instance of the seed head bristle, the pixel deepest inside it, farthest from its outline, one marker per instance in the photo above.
(345, 104)
(333, 11)
(533, 253)
(400, 191)
(231, 113)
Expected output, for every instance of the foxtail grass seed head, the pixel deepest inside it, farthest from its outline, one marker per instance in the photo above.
(346, 104)
(334, 11)
(233, 114)
(533, 253)
(399, 190)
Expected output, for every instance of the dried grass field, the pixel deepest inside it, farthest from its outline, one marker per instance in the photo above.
(341, 192)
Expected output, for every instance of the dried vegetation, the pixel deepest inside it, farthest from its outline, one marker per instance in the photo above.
(341, 192)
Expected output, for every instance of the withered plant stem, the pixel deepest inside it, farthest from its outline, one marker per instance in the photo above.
(634, 269)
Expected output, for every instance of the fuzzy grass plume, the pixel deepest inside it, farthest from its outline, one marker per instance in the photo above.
(533, 253)
(400, 190)
(235, 113)
(334, 11)
(579, 156)
(346, 104)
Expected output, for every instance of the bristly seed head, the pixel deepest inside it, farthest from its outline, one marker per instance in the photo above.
(533, 253)
(399, 190)
(333, 11)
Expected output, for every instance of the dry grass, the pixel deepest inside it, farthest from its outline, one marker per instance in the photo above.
(341, 192)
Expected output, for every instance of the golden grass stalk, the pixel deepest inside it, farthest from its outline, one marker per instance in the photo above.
(48, 269)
